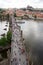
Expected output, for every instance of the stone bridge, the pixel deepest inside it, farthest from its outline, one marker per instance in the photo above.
(17, 57)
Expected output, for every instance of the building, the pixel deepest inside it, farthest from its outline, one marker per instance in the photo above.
(20, 13)
(30, 14)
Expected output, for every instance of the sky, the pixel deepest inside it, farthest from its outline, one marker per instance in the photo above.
(21, 3)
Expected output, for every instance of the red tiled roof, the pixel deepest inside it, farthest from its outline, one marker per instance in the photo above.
(20, 12)
(29, 12)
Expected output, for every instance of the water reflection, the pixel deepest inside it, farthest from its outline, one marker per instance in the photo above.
(33, 34)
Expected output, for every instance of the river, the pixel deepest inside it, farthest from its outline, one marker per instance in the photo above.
(33, 34)
(4, 27)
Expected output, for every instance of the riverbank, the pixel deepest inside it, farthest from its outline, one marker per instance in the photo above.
(37, 19)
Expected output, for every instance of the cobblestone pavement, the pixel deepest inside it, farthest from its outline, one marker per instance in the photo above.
(17, 57)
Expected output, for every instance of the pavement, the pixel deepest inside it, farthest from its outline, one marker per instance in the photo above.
(17, 57)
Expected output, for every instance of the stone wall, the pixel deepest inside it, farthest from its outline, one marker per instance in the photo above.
(4, 62)
(7, 60)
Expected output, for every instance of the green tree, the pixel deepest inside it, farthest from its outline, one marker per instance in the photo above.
(3, 41)
(26, 16)
(9, 36)
(7, 16)
(15, 15)
(4, 54)
(0, 16)
(35, 17)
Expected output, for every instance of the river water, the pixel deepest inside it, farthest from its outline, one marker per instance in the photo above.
(33, 34)
(4, 27)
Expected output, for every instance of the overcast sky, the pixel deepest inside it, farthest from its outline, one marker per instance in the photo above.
(21, 3)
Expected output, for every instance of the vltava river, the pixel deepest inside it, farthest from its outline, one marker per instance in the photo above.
(4, 27)
(33, 34)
